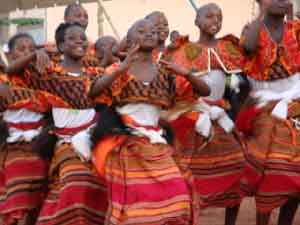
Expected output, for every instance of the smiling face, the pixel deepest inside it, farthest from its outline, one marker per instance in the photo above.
(75, 43)
(77, 14)
(209, 19)
(23, 46)
(144, 34)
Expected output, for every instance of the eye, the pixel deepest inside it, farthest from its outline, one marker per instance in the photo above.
(83, 38)
(71, 38)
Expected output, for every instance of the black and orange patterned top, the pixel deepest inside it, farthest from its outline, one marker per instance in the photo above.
(273, 61)
(161, 91)
(22, 97)
(64, 90)
(195, 56)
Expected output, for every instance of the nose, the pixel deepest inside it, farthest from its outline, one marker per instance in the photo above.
(27, 51)
(83, 19)
(78, 41)
(215, 19)
(149, 34)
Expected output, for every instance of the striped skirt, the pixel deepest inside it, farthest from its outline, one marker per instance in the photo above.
(23, 178)
(145, 185)
(216, 165)
(272, 172)
(76, 195)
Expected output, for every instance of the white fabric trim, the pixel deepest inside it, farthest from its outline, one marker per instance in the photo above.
(22, 116)
(278, 86)
(144, 115)
(71, 118)
(283, 90)
(216, 80)
(209, 114)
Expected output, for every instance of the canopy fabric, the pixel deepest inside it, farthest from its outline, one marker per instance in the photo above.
(11, 5)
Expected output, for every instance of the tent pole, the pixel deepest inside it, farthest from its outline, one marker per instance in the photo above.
(100, 20)
(102, 8)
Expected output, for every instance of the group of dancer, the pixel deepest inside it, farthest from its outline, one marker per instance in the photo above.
(144, 133)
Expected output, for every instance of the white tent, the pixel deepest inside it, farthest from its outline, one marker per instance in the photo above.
(12, 5)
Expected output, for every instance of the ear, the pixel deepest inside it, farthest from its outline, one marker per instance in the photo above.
(66, 19)
(196, 21)
(61, 47)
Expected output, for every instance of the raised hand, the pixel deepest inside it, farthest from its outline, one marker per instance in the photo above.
(5, 92)
(131, 57)
(42, 60)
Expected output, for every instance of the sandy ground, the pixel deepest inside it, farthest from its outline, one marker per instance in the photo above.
(246, 215)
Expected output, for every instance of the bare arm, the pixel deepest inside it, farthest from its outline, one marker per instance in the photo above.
(5, 91)
(198, 84)
(250, 36)
(104, 82)
(290, 12)
(40, 58)
(19, 64)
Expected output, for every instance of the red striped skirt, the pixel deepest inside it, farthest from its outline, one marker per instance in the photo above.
(272, 172)
(145, 185)
(216, 165)
(76, 195)
(23, 178)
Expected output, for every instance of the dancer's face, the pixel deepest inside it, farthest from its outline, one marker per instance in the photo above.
(78, 15)
(75, 43)
(278, 7)
(23, 46)
(161, 24)
(210, 20)
(144, 34)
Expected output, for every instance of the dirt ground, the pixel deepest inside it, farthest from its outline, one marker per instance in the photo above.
(246, 215)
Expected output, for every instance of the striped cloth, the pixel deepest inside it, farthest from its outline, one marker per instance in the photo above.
(216, 164)
(145, 185)
(76, 194)
(272, 171)
(22, 181)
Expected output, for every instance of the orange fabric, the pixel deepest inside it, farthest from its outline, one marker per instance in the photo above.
(3, 78)
(194, 56)
(192, 116)
(127, 88)
(286, 54)
(102, 150)
(292, 131)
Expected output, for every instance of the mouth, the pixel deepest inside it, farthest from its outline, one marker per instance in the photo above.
(163, 34)
(214, 29)
(79, 50)
(149, 41)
